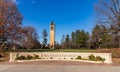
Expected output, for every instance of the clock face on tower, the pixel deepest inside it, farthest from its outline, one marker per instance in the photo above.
(52, 27)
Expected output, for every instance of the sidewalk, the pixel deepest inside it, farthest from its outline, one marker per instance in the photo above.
(57, 68)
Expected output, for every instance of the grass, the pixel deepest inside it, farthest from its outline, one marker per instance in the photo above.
(52, 50)
(72, 50)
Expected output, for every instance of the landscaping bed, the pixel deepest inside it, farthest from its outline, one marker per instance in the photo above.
(34, 57)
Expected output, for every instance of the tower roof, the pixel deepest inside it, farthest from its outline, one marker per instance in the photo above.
(52, 23)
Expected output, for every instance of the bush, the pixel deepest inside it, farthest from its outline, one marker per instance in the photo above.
(103, 59)
(92, 57)
(21, 57)
(84, 59)
(29, 57)
(79, 57)
(36, 56)
(98, 58)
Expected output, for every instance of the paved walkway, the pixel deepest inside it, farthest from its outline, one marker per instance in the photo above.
(57, 68)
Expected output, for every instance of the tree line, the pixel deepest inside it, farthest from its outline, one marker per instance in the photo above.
(77, 39)
(101, 37)
(105, 34)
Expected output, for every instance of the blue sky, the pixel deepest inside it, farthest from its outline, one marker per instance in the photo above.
(68, 15)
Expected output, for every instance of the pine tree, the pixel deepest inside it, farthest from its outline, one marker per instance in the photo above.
(45, 34)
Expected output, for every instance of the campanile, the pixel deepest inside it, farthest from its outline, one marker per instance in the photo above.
(52, 35)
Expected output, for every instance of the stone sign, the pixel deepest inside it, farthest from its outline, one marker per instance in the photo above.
(63, 55)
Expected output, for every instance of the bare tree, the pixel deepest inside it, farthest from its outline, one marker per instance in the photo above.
(108, 13)
(10, 21)
(30, 37)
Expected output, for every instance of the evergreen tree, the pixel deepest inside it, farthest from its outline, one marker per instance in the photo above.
(77, 38)
(45, 34)
(67, 41)
(88, 40)
(73, 40)
(100, 36)
(63, 41)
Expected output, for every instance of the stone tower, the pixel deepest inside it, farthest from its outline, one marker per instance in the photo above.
(52, 35)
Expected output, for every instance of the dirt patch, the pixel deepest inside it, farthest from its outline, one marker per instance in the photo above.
(109, 50)
(116, 60)
(4, 57)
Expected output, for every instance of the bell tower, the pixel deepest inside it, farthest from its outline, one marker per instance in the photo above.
(52, 35)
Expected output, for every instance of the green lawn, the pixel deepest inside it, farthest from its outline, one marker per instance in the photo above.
(72, 50)
(52, 50)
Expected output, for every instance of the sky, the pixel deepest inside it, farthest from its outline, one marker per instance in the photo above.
(68, 15)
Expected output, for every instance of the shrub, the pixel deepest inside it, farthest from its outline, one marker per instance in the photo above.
(79, 57)
(84, 59)
(103, 59)
(36, 56)
(92, 57)
(29, 57)
(98, 58)
(21, 57)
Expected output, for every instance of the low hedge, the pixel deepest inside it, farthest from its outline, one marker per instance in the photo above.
(91, 58)
(28, 57)
(79, 57)
(97, 58)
